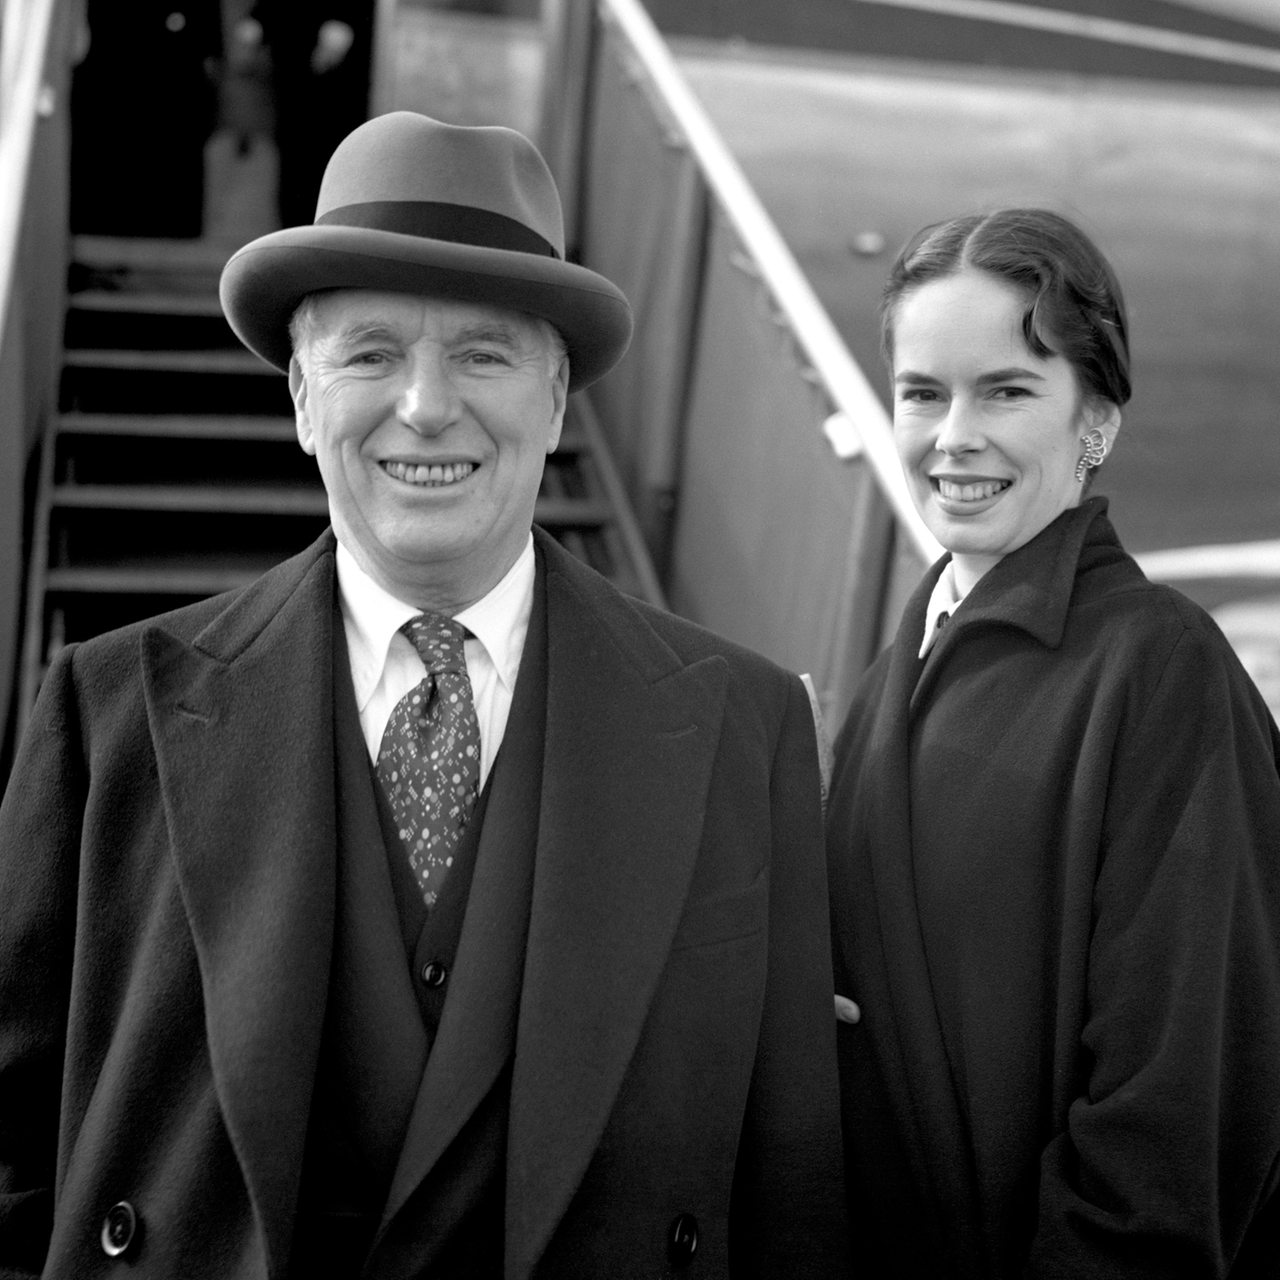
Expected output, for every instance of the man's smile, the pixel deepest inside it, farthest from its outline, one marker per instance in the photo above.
(430, 476)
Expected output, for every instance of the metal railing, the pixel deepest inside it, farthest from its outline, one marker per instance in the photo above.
(757, 456)
(35, 55)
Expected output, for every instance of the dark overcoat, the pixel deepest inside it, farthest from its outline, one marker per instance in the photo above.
(167, 869)
(1055, 863)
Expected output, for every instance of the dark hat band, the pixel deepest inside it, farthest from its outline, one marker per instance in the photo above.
(433, 220)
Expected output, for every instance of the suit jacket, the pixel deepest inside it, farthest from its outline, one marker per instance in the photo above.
(167, 868)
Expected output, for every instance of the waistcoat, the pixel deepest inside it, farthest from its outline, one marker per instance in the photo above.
(392, 974)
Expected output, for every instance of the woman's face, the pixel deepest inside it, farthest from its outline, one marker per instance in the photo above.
(988, 433)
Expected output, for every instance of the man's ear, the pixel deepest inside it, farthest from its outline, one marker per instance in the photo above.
(301, 417)
(559, 399)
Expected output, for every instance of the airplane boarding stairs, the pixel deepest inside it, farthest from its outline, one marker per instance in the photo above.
(172, 472)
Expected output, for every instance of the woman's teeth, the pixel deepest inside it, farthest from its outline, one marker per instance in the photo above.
(450, 473)
(971, 492)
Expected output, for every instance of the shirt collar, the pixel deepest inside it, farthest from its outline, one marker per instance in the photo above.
(500, 620)
(372, 616)
(943, 601)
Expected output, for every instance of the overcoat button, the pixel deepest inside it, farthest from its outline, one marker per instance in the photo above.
(434, 973)
(119, 1229)
(682, 1240)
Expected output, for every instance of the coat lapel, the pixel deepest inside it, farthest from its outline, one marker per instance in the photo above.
(938, 1134)
(631, 736)
(241, 721)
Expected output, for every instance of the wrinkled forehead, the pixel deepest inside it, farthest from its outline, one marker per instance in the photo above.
(334, 312)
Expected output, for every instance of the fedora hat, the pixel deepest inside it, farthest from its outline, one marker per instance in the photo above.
(413, 205)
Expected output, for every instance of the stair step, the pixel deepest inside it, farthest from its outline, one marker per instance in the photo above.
(201, 362)
(179, 426)
(146, 302)
(139, 253)
(149, 580)
(554, 512)
(187, 426)
(243, 499)
(572, 443)
(576, 513)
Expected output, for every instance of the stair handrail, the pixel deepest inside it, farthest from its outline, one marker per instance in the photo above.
(855, 403)
(36, 40)
(26, 27)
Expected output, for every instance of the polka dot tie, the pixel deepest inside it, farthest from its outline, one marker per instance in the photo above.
(429, 761)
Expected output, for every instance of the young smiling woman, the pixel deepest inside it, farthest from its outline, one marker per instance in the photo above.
(1052, 827)
(989, 433)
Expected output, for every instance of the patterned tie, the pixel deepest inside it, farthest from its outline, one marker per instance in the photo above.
(429, 761)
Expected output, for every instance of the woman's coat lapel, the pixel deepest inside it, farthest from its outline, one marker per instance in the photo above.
(939, 1138)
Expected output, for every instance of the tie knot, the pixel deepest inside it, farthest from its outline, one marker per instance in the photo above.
(439, 642)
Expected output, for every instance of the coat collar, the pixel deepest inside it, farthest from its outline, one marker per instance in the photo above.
(1030, 590)
(241, 721)
(1031, 587)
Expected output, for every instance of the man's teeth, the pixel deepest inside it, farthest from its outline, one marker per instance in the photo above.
(450, 473)
(971, 492)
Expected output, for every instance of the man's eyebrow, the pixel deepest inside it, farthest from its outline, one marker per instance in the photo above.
(364, 331)
(495, 331)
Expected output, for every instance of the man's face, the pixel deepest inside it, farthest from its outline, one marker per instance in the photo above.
(431, 421)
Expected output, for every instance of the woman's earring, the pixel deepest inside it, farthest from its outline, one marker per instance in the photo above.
(1095, 450)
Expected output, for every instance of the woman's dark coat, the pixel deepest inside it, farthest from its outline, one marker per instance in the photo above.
(1055, 861)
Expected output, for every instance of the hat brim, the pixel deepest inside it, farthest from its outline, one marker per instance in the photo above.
(263, 283)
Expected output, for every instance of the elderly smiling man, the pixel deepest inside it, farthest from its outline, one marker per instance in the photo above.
(426, 908)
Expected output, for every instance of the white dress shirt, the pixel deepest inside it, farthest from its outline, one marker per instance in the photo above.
(385, 665)
(943, 602)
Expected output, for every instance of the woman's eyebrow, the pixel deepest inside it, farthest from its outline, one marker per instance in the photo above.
(1015, 373)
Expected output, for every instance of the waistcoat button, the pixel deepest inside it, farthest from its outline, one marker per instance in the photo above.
(434, 973)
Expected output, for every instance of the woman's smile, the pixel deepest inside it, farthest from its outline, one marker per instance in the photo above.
(968, 493)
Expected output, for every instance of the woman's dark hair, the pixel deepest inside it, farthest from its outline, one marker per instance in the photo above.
(1074, 305)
